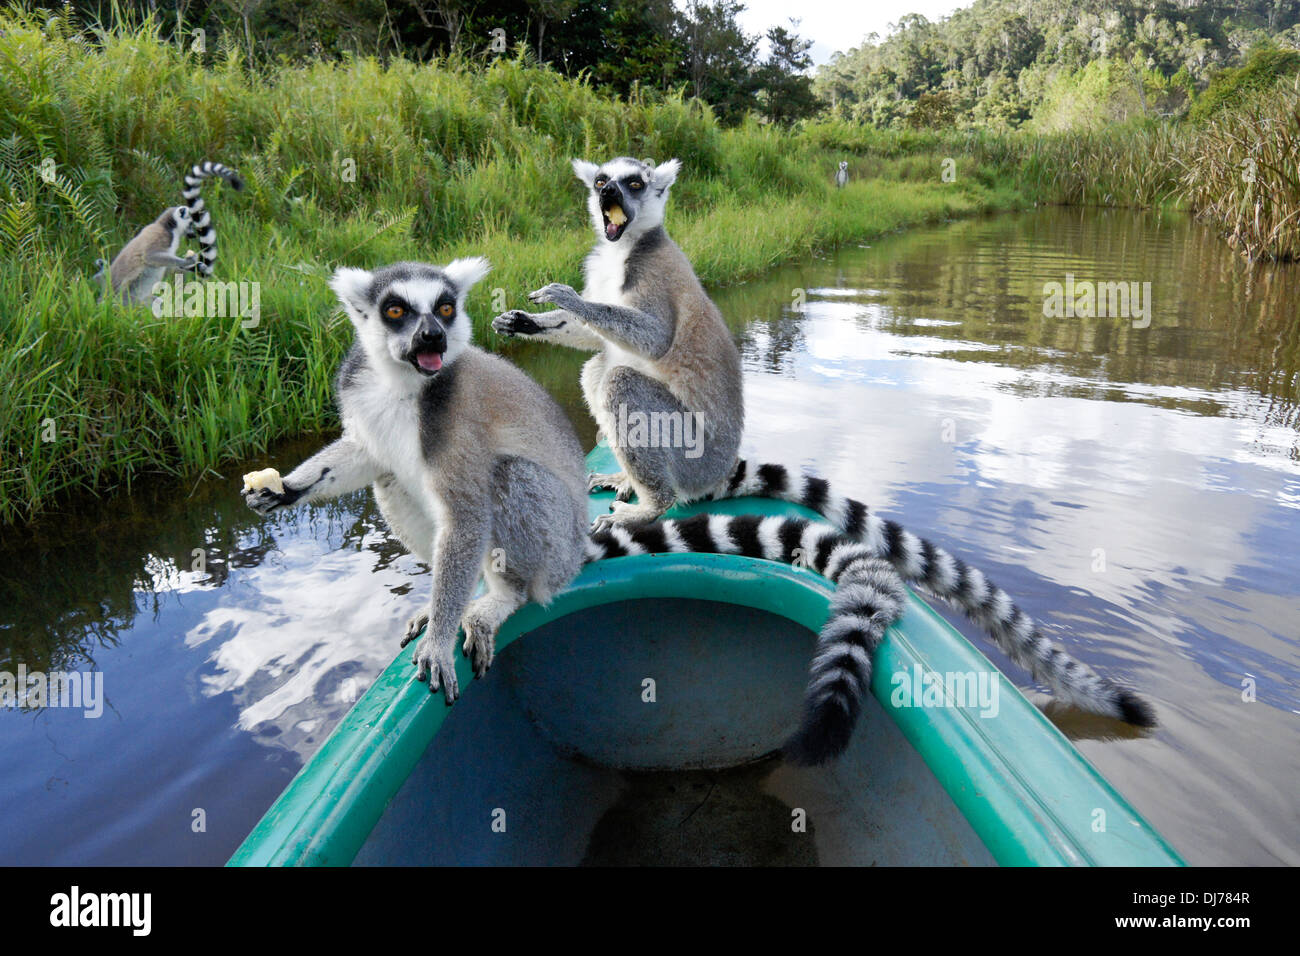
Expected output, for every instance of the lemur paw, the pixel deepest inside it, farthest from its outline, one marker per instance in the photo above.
(435, 662)
(557, 293)
(191, 261)
(623, 515)
(519, 322)
(618, 482)
(265, 500)
(480, 643)
(414, 626)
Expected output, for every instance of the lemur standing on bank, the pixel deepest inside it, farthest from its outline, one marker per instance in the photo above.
(842, 175)
(662, 347)
(467, 455)
(149, 257)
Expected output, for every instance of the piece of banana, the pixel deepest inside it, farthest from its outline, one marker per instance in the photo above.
(616, 215)
(266, 478)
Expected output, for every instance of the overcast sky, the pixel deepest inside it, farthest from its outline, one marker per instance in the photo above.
(839, 24)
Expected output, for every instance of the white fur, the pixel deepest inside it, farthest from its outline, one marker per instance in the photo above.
(665, 174)
(380, 411)
(467, 273)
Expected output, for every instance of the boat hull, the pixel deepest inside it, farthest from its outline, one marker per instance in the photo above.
(558, 735)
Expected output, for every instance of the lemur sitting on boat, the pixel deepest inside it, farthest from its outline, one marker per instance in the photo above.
(467, 455)
(663, 349)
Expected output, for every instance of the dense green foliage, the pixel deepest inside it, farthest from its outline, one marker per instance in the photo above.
(1061, 63)
(624, 47)
(1231, 87)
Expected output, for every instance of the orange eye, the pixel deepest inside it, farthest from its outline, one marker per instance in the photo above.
(446, 309)
(394, 311)
(636, 184)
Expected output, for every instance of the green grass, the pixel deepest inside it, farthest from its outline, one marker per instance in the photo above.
(450, 158)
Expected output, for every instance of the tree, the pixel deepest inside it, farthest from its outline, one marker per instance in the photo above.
(787, 92)
(720, 56)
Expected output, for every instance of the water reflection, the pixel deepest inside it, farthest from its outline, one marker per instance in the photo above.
(1135, 488)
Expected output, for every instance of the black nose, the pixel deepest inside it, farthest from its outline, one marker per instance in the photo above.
(431, 337)
(609, 191)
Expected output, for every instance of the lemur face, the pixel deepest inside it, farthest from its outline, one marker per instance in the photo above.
(626, 195)
(410, 317)
(843, 166)
(176, 219)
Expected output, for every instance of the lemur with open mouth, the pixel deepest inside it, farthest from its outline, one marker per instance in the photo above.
(479, 473)
(662, 348)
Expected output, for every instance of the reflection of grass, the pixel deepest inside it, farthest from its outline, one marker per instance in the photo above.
(449, 159)
(1218, 322)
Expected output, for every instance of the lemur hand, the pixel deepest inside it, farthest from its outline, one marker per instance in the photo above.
(191, 261)
(264, 491)
(557, 293)
(435, 661)
(518, 322)
(265, 500)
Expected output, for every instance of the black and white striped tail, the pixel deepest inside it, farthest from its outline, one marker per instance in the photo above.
(923, 563)
(869, 596)
(200, 222)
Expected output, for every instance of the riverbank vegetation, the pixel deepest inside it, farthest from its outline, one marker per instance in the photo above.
(436, 151)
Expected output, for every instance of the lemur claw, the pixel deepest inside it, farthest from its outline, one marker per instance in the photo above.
(435, 662)
(556, 293)
(618, 482)
(479, 647)
(414, 626)
(263, 500)
(623, 515)
(516, 322)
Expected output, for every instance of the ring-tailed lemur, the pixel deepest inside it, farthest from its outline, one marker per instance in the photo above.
(200, 222)
(466, 455)
(478, 471)
(842, 175)
(149, 257)
(663, 349)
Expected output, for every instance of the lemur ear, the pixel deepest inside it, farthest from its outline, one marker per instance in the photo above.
(351, 286)
(666, 173)
(585, 171)
(466, 273)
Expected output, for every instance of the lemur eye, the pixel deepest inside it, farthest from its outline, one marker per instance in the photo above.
(600, 182)
(446, 309)
(394, 311)
(636, 184)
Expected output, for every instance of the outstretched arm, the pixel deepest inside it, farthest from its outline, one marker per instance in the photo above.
(636, 330)
(338, 468)
(557, 327)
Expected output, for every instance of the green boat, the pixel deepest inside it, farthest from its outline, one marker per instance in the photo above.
(637, 719)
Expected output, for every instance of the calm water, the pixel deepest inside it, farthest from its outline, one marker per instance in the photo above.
(1138, 489)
